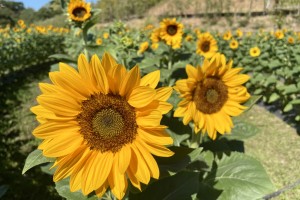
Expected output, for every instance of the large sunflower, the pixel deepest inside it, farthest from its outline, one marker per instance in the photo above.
(206, 45)
(171, 32)
(211, 94)
(102, 124)
(79, 10)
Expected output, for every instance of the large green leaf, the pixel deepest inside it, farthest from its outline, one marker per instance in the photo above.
(239, 176)
(35, 158)
(183, 185)
(241, 130)
(63, 189)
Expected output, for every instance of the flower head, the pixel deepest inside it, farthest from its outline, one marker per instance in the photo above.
(254, 52)
(171, 32)
(279, 34)
(239, 33)
(234, 44)
(143, 47)
(211, 94)
(206, 45)
(227, 35)
(99, 41)
(79, 10)
(291, 40)
(102, 125)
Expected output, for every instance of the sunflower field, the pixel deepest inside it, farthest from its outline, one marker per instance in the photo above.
(148, 113)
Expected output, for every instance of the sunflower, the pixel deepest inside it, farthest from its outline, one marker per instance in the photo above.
(206, 45)
(154, 46)
(211, 94)
(279, 34)
(102, 124)
(291, 40)
(239, 33)
(105, 35)
(171, 32)
(227, 35)
(79, 11)
(99, 41)
(254, 52)
(234, 44)
(143, 47)
(155, 35)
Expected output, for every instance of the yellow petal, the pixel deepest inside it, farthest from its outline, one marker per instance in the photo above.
(237, 80)
(164, 107)
(159, 137)
(108, 62)
(152, 165)
(123, 157)
(61, 105)
(62, 145)
(117, 182)
(191, 71)
(130, 81)
(180, 111)
(54, 129)
(101, 190)
(141, 96)
(100, 75)
(163, 93)
(151, 79)
(86, 72)
(230, 73)
(158, 150)
(116, 78)
(150, 119)
(134, 181)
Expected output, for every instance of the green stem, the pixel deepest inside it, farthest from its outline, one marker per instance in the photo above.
(170, 64)
(84, 34)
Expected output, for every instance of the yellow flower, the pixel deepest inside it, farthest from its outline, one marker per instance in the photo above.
(279, 34)
(105, 35)
(291, 40)
(249, 33)
(102, 125)
(254, 52)
(154, 46)
(206, 45)
(99, 41)
(239, 33)
(227, 35)
(149, 27)
(21, 22)
(189, 38)
(155, 35)
(211, 94)
(143, 47)
(79, 11)
(171, 32)
(234, 44)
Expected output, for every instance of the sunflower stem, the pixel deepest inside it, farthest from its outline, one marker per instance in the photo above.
(84, 34)
(170, 64)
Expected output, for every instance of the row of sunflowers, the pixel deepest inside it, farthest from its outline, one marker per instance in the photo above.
(16, 43)
(152, 119)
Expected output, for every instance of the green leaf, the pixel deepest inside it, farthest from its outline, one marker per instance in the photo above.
(3, 189)
(274, 97)
(242, 130)
(239, 176)
(290, 89)
(253, 99)
(274, 64)
(180, 160)
(288, 107)
(183, 185)
(149, 62)
(35, 158)
(63, 189)
(63, 58)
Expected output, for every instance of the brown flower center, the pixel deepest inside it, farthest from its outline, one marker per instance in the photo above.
(172, 29)
(107, 122)
(205, 46)
(79, 12)
(210, 95)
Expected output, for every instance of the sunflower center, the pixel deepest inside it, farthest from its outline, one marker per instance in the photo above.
(172, 29)
(79, 12)
(210, 95)
(107, 122)
(205, 46)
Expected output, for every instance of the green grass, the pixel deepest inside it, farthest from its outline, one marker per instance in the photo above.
(277, 147)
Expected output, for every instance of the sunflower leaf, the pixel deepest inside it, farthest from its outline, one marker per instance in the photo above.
(253, 99)
(238, 176)
(35, 158)
(63, 189)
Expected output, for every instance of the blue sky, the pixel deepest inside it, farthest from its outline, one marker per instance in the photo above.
(37, 4)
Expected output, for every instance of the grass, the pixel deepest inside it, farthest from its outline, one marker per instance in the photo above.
(277, 147)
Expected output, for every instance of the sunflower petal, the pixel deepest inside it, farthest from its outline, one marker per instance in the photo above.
(141, 96)
(151, 79)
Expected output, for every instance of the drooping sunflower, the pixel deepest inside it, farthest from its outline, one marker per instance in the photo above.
(254, 52)
(234, 44)
(171, 32)
(206, 45)
(79, 10)
(102, 124)
(211, 95)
